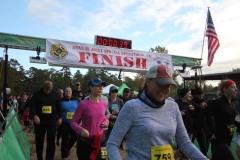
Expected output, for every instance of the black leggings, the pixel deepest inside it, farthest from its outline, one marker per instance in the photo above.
(202, 141)
(221, 152)
(40, 131)
(69, 138)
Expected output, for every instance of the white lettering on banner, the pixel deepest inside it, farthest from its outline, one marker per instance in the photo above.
(73, 54)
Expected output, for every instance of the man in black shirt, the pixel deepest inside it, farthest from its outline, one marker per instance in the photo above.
(77, 91)
(45, 110)
(125, 96)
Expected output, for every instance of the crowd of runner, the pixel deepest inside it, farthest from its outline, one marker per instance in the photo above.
(146, 126)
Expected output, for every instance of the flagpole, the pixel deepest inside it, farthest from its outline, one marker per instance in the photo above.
(203, 41)
(204, 37)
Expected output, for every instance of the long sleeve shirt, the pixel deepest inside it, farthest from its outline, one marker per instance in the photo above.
(91, 115)
(68, 108)
(223, 120)
(45, 106)
(144, 126)
(188, 116)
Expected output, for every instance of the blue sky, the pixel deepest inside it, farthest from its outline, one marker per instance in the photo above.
(177, 25)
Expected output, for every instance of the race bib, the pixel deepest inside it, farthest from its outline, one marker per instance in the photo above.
(69, 115)
(231, 129)
(103, 153)
(47, 109)
(162, 152)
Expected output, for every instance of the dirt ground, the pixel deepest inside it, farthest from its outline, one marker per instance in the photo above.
(73, 155)
(33, 155)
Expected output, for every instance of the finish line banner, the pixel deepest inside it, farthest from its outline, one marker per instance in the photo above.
(80, 55)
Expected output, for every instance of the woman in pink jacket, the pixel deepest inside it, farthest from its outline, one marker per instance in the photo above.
(89, 121)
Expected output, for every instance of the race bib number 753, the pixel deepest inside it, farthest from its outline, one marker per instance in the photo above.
(162, 152)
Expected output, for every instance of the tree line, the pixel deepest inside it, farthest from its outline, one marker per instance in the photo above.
(31, 80)
(20, 80)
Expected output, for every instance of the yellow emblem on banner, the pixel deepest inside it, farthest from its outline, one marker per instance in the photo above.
(69, 115)
(162, 152)
(47, 109)
(58, 51)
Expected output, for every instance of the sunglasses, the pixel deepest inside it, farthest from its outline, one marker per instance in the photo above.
(114, 91)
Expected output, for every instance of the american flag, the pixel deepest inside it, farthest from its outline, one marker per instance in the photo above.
(213, 42)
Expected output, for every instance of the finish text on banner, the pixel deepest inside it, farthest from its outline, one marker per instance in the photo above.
(80, 55)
